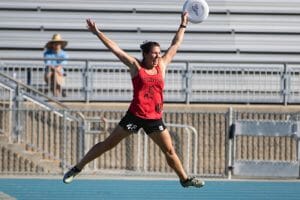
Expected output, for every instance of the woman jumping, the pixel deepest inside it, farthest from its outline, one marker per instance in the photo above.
(146, 108)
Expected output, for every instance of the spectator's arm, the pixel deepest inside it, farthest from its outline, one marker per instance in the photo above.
(48, 61)
(65, 59)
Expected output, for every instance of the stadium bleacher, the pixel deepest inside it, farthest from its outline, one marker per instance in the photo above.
(235, 30)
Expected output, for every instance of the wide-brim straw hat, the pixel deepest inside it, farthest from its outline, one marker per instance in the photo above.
(56, 38)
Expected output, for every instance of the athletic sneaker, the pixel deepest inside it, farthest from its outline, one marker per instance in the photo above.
(193, 181)
(69, 176)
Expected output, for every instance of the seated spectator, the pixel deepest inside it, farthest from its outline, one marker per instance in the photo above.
(55, 59)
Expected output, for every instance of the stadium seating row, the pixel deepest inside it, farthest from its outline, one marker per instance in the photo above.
(61, 20)
(237, 30)
(253, 6)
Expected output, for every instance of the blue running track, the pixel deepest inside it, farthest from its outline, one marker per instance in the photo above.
(39, 189)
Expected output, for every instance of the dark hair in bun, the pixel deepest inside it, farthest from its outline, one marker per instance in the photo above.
(148, 45)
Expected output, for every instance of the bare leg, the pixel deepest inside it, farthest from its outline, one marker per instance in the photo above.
(57, 90)
(55, 84)
(97, 150)
(58, 79)
(47, 77)
(164, 141)
(49, 81)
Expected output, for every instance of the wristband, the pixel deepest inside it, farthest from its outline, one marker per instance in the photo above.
(182, 26)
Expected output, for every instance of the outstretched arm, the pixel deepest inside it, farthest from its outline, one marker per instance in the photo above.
(128, 60)
(177, 40)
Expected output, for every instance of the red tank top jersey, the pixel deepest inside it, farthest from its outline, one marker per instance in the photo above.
(147, 100)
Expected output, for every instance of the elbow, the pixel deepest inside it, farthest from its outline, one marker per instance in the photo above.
(176, 42)
(176, 46)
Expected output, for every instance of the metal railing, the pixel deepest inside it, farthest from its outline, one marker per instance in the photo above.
(264, 144)
(47, 127)
(6, 101)
(51, 131)
(141, 162)
(39, 123)
(186, 81)
(201, 140)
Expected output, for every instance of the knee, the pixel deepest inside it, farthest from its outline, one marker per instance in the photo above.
(170, 152)
(47, 77)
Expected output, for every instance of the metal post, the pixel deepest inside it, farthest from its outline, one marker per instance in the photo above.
(196, 142)
(297, 135)
(81, 126)
(299, 156)
(10, 121)
(230, 143)
(187, 77)
(82, 141)
(188, 151)
(191, 130)
(17, 115)
(286, 85)
(145, 153)
(86, 85)
(28, 76)
(64, 159)
(139, 151)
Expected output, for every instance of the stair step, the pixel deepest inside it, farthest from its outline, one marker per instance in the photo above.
(51, 162)
(36, 156)
(53, 166)
(22, 149)
(3, 138)
(17, 147)
(49, 166)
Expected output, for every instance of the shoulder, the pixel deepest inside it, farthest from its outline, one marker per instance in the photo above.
(136, 65)
(135, 68)
(48, 52)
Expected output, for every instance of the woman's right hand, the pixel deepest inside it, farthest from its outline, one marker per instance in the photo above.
(184, 18)
(91, 25)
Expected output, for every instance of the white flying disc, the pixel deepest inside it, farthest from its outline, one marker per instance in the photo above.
(198, 10)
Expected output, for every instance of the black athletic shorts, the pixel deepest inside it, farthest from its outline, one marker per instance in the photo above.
(133, 123)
